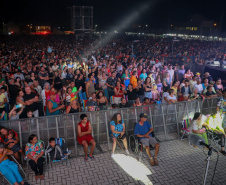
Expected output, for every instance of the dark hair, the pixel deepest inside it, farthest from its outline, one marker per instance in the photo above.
(31, 137)
(186, 81)
(114, 105)
(146, 98)
(114, 118)
(208, 88)
(196, 116)
(174, 82)
(2, 145)
(171, 91)
(51, 139)
(83, 116)
(90, 75)
(166, 89)
(12, 132)
(224, 91)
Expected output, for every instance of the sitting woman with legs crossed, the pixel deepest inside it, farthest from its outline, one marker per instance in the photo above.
(84, 136)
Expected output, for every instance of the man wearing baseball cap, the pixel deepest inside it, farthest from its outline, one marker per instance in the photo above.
(144, 130)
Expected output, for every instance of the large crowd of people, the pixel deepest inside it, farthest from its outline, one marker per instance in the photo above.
(52, 75)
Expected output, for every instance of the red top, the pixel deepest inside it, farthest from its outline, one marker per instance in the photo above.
(120, 96)
(87, 137)
(47, 95)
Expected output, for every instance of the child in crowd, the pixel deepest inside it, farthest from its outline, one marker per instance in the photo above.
(14, 114)
(12, 144)
(155, 93)
(56, 152)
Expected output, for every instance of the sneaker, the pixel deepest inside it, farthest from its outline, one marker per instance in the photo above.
(64, 157)
(152, 162)
(112, 155)
(127, 152)
(69, 152)
(156, 161)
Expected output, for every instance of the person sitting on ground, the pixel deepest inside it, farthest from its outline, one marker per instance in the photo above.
(56, 152)
(143, 130)
(84, 136)
(117, 130)
(12, 144)
(9, 168)
(197, 127)
(34, 152)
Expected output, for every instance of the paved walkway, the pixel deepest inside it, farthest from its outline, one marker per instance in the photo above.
(178, 164)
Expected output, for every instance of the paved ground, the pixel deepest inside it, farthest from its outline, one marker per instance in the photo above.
(178, 164)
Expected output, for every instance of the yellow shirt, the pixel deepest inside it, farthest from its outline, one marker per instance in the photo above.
(2, 97)
(175, 90)
(133, 81)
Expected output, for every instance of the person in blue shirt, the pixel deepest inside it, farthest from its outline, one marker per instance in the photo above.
(117, 130)
(143, 130)
(143, 75)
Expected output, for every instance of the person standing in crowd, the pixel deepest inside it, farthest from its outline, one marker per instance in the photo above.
(31, 100)
(52, 107)
(181, 73)
(119, 92)
(74, 106)
(111, 83)
(133, 79)
(85, 138)
(90, 86)
(43, 76)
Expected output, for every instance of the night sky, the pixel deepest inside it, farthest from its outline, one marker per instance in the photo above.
(108, 13)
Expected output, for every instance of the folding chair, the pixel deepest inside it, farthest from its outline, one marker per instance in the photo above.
(19, 168)
(61, 142)
(185, 123)
(45, 157)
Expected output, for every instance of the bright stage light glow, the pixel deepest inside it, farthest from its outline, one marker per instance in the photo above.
(134, 168)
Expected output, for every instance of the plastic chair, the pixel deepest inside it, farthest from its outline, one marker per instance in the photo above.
(45, 157)
(61, 142)
(185, 123)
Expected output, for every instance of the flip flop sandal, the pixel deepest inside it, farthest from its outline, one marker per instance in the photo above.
(92, 158)
(86, 159)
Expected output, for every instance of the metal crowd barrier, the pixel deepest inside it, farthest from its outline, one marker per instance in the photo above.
(166, 120)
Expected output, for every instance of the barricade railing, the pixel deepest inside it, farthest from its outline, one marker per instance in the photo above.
(165, 118)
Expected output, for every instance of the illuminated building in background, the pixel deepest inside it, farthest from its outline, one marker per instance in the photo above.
(42, 30)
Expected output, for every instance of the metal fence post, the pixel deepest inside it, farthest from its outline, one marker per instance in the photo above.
(106, 123)
(164, 124)
(178, 132)
(37, 123)
(127, 121)
(135, 114)
(20, 135)
(98, 127)
(57, 127)
(150, 114)
(75, 135)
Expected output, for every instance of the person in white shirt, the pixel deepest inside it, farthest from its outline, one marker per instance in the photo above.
(192, 83)
(165, 95)
(171, 72)
(199, 86)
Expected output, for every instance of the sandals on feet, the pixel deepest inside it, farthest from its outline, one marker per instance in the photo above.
(152, 162)
(86, 159)
(42, 177)
(156, 161)
(92, 158)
